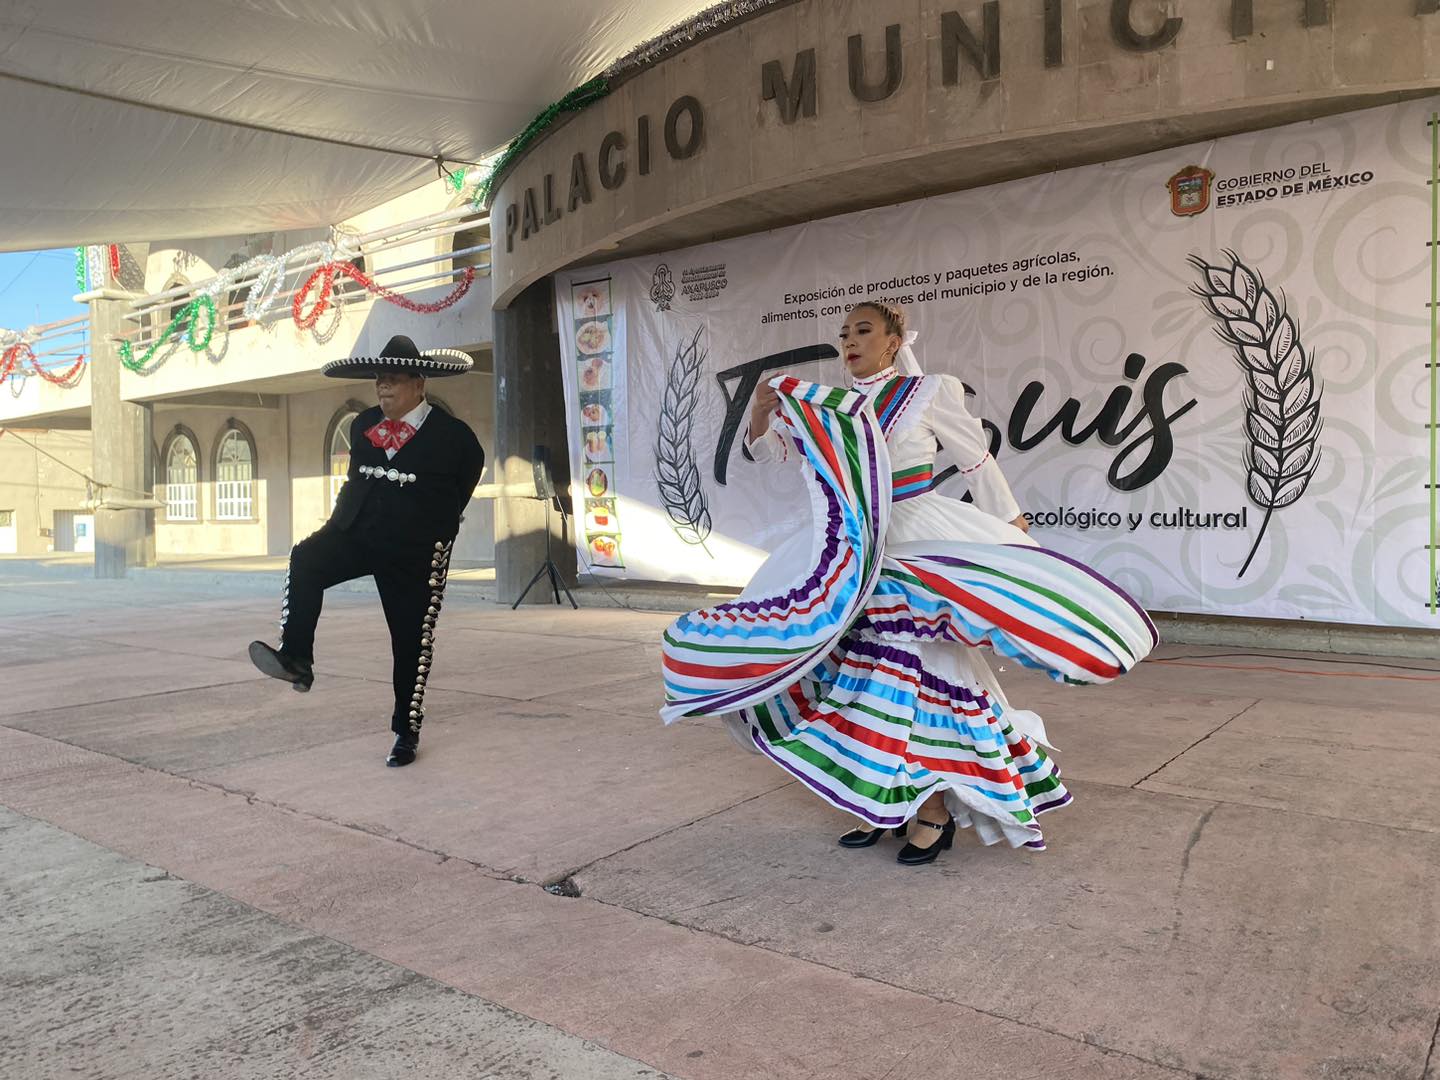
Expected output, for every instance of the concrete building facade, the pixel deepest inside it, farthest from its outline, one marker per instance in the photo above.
(43, 497)
(813, 108)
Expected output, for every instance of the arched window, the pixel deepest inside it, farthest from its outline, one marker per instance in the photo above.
(235, 473)
(181, 465)
(337, 450)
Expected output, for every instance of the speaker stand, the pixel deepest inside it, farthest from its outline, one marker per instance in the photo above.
(548, 566)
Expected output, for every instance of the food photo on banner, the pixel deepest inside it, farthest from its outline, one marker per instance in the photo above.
(1207, 372)
(592, 392)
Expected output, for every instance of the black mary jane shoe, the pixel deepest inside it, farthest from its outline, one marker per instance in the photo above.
(272, 662)
(866, 837)
(910, 855)
(403, 752)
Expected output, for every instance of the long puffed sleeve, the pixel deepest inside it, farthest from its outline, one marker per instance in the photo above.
(965, 442)
(770, 446)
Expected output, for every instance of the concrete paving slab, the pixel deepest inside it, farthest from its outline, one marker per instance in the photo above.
(1381, 767)
(1219, 947)
(1252, 656)
(1193, 936)
(115, 969)
(45, 599)
(351, 634)
(474, 651)
(697, 1006)
(515, 665)
(1364, 683)
(192, 730)
(638, 697)
(1327, 724)
(87, 609)
(20, 647)
(114, 675)
(495, 643)
(587, 674)
(1091, 724)
(613, 624)
(597, 783)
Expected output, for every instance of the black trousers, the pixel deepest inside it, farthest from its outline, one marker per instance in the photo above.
(411, 584)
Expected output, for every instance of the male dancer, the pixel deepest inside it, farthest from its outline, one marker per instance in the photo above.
(413, 469)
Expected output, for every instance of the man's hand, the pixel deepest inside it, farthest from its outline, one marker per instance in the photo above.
(1022, 523)
(767, 401)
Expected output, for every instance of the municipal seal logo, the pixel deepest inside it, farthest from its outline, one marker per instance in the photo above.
(1190, 191)
(662, 287)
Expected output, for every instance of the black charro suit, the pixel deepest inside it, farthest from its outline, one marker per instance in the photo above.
(446, 460)
(398, 532)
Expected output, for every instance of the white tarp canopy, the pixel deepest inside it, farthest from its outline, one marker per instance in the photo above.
(145, 119)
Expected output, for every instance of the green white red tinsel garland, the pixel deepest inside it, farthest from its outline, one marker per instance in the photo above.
(188, 318)
(196, 323)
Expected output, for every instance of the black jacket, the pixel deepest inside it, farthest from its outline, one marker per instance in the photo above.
(446, 460)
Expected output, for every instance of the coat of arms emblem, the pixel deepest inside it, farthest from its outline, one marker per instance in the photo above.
(662, 288)
(1190, 190)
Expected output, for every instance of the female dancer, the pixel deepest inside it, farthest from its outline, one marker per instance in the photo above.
(851, 659)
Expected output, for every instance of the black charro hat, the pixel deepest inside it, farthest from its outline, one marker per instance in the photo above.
(400, 354)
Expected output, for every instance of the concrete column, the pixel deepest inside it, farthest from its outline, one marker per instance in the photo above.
(121, 439)
(529, 412)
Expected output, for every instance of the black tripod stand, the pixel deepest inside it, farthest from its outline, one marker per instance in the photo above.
(545, 490)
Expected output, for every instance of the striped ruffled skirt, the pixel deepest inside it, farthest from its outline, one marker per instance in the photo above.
(861, 676)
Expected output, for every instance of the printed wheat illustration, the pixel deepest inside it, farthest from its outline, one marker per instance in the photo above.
(675, 470)
(1282, 397)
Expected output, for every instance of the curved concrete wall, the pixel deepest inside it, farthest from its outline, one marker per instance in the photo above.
(824, 106)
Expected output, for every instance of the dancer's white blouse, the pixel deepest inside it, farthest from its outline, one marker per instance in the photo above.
(935, 417)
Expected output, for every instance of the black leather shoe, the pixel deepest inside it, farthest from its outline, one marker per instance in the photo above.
(910, 855)
(277, 665)
(404, 750)
(866, 837)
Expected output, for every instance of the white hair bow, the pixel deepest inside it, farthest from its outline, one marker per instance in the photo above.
(905, 362)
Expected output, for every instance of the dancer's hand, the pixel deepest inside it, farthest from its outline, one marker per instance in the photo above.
(767, 401)
(1022, 523)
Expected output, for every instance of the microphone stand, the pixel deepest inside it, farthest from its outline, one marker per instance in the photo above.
(548, 566)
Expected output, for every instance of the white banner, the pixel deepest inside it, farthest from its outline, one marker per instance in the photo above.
(1207, 372)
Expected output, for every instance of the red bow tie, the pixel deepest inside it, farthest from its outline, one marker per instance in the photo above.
(390, 434)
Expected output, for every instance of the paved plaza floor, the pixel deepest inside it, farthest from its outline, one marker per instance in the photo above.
(206, 874)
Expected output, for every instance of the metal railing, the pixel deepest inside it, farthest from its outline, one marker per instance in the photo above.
(57, 352)
(163, 316)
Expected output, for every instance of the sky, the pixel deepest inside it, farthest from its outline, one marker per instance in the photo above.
(36, 287)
